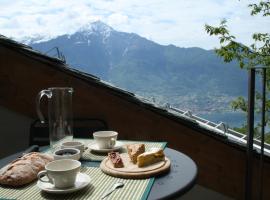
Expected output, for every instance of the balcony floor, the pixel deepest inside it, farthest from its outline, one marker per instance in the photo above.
(199, 192)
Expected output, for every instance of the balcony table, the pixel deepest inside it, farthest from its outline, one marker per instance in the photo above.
(178, 181)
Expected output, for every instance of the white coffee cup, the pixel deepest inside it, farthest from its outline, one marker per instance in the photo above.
(73, 144)
(61, 173)
(105, 139)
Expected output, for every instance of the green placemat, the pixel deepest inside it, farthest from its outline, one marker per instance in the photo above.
(100, 182)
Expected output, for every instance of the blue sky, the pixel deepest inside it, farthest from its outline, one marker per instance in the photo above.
(178, 22)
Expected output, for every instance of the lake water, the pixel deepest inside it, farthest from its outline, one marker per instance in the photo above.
(233, 119)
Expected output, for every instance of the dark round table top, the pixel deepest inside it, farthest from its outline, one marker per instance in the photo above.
(179, 180)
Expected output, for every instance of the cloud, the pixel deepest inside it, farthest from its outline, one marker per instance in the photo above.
(177, 22)
(116, 19)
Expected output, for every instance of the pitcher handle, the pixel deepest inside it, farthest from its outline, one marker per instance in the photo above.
(48, 93)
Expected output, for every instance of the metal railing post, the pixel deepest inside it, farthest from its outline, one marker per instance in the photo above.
(250, 123)
(262, 133)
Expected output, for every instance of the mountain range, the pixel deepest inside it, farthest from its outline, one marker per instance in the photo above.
(188, 78)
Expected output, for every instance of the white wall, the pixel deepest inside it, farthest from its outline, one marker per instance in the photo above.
(14, 131)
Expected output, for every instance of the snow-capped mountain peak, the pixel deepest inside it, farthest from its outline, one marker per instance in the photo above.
(35, 38)
(97, 27)
(91, 28)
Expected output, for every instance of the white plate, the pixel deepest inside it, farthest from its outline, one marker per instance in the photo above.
(94, 147)
(82, 181)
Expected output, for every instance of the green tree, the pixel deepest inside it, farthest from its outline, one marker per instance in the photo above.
(257, 54)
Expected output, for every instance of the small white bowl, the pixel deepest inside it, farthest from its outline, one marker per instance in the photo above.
(67, 153)
(73, 144)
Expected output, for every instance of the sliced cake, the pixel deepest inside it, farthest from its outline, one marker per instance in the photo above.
(150, 157)
(134, 150)
(116, 159)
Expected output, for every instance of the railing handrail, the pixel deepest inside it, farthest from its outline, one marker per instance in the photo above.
(229, 133)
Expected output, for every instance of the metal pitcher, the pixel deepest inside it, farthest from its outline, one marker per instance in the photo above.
(59, 113)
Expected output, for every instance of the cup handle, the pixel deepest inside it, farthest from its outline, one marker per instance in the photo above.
(112, 142)
(41, 175)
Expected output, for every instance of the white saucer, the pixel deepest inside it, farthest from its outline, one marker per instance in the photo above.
(82, 181)
(94, 147)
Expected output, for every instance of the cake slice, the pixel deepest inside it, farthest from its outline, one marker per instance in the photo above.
(134, 150)
(116, 159)
(151, 157)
